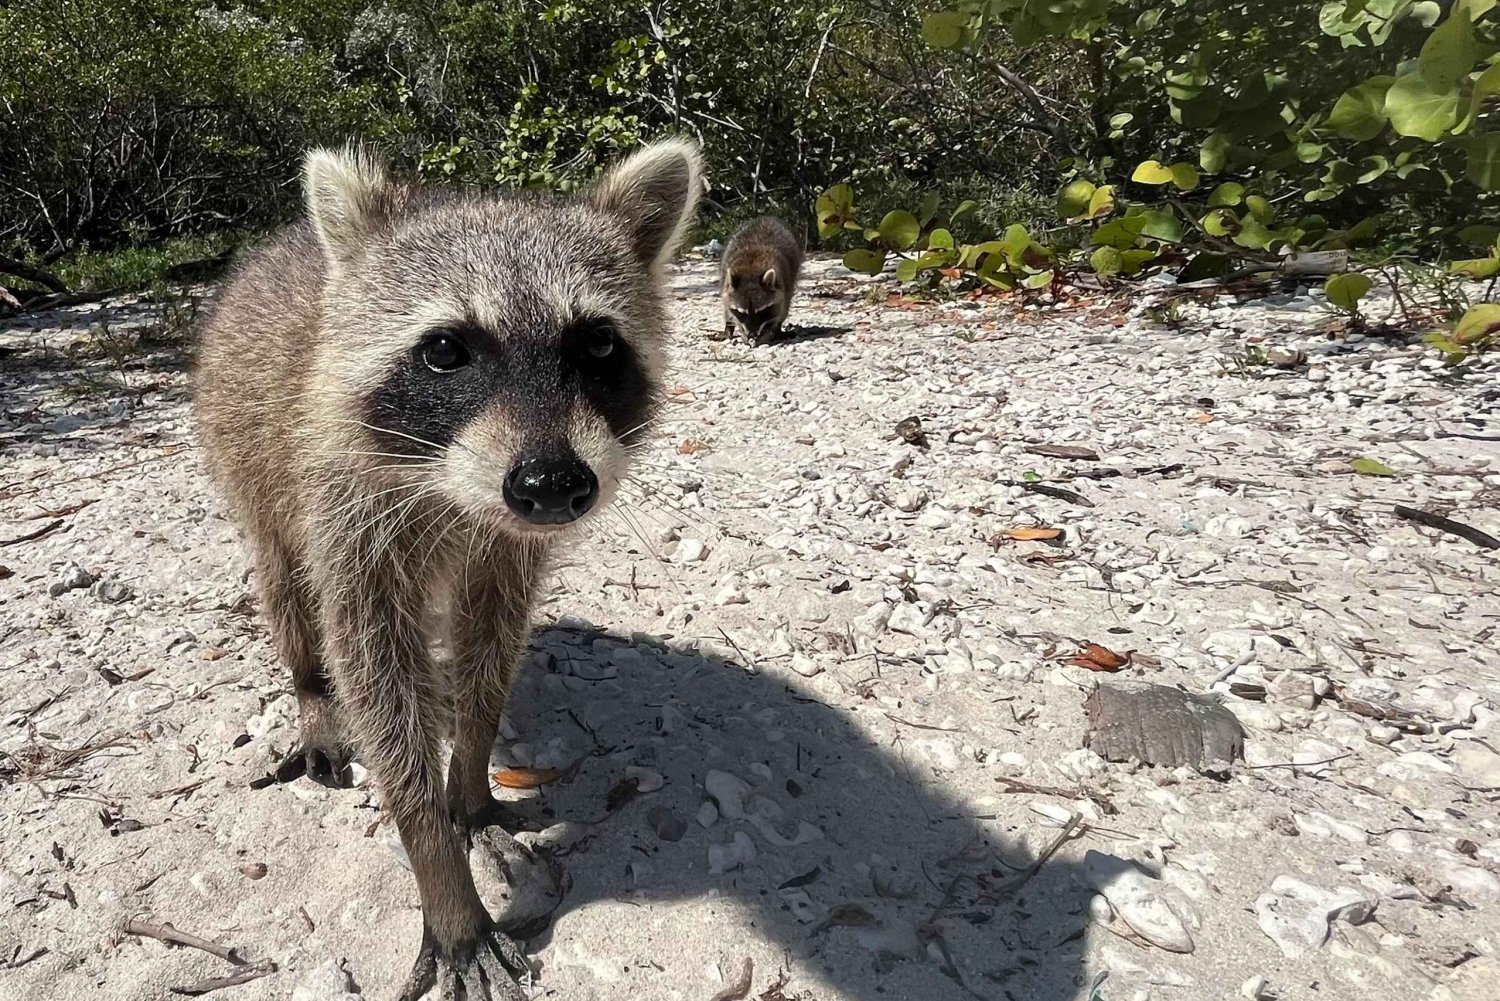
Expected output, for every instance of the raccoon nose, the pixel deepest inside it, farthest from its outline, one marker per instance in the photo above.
(551, 491)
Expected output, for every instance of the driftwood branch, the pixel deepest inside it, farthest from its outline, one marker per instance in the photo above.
(164, 932)
(49, 281)
(1482, 539)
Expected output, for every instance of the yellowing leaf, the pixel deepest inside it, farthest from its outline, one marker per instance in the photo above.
(1371, 467)
(1479, 322)
(1032, 533)
(1151, 172)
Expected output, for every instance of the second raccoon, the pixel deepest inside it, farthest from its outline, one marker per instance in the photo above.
(757, 277)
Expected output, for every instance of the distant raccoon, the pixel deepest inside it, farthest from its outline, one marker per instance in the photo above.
(415, 392)
(757, 277)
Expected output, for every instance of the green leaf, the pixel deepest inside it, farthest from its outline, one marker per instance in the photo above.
(945, 29)
(940, 239)
(1161, 225)
(1478, 323)
(1480, 234)
(1106, 261)
(1260, 207)
(1419, 110)
(906, 269)
(1102, 202)
(965, 209)
(1184, 177)
(1449, 52)
(1039, 280)
(1360, 111)
(929, 207)
(1151, 172)
(1487, 86)
(1132, 261)
(1480, 267)
(1119, 233)
(1228, 193)
(900, 229)
(1371, 467)
(1220, 222)
(835, 209)
(869, 262)
(1374, 167)
(1073, 199)
(1031, 476)
(1253, 233)
(1484, 161)
(1214, 152)
(1345, 291)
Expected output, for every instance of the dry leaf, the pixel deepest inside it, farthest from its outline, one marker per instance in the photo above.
(691, 446)
(1202, 418)
(1093, 657)
(214, 653)
(1032, 533)
(678, 390)
(525, 778)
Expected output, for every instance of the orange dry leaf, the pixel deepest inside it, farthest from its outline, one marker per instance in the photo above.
(1202, 418)
(1094, 657)
(691, 446)
(1032, 533)
(526, 778)
(678, 390)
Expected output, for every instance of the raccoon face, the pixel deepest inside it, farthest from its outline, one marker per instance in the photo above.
(507, 352)
(754, 300)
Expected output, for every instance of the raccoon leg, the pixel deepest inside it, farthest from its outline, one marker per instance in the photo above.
(322, 754)
(490, 626)
(394, 701)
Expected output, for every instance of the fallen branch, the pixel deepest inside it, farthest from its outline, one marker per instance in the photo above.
(46, 529)
(740, 986)
(164, 932)
(49, 281)
(1482, 539)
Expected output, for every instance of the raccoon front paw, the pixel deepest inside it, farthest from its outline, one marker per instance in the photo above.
(492, 967)
(529, 884)
(327, 765)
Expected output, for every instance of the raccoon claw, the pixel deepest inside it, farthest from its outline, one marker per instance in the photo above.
(325, 766)
(490, 968)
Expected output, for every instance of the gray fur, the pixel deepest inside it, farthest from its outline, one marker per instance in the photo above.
(354, 529)
(758, 276)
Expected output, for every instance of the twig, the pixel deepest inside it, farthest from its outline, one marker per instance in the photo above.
(46, 529)
(1482, 539)
(1303, 764)
(1019, 881)
(164, 932)
(243, 975)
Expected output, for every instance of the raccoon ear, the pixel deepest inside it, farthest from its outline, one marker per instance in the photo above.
(349, 198)
(769, 278)
(655, 193)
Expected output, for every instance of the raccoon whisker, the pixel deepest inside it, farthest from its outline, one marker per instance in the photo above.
(398, 434)
(365, 500)
(655, 497)
(415, 459)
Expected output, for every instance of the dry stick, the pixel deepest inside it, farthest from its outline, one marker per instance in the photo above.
(46, 529)
(1437, 521)
(1035, 867)
(164, 932)
(243, 975)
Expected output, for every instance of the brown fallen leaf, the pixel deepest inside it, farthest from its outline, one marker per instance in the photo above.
(677, 390)
(691, 446)
(1080, 452)
(1202, 418)
(525, 778)
(1031, 533)
(1094, 657)
(214, 653)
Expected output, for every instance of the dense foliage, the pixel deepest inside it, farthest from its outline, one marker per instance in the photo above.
(1118, 135)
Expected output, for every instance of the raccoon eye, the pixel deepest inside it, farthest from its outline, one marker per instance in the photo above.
(601, 342)
(443, 352)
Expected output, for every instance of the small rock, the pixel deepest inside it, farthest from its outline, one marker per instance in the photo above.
(1299, 916)
(688, 550)
(72, 578)
(724, 858)
(328, 982)
(646, 780)
(1478, 767)
(667, 825)
(707, 815)
(728, 792)
(112, 591)
(909, 501)
(805, 665)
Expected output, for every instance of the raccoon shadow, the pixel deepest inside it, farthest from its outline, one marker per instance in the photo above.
(900, 884)
(796, 333)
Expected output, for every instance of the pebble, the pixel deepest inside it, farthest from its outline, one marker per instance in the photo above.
(805, 665)
(72, 578)
(740, 851)
(1298, 916)
(327, 982)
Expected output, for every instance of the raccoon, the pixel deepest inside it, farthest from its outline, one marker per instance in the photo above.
(413, 394)
(757, 276)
